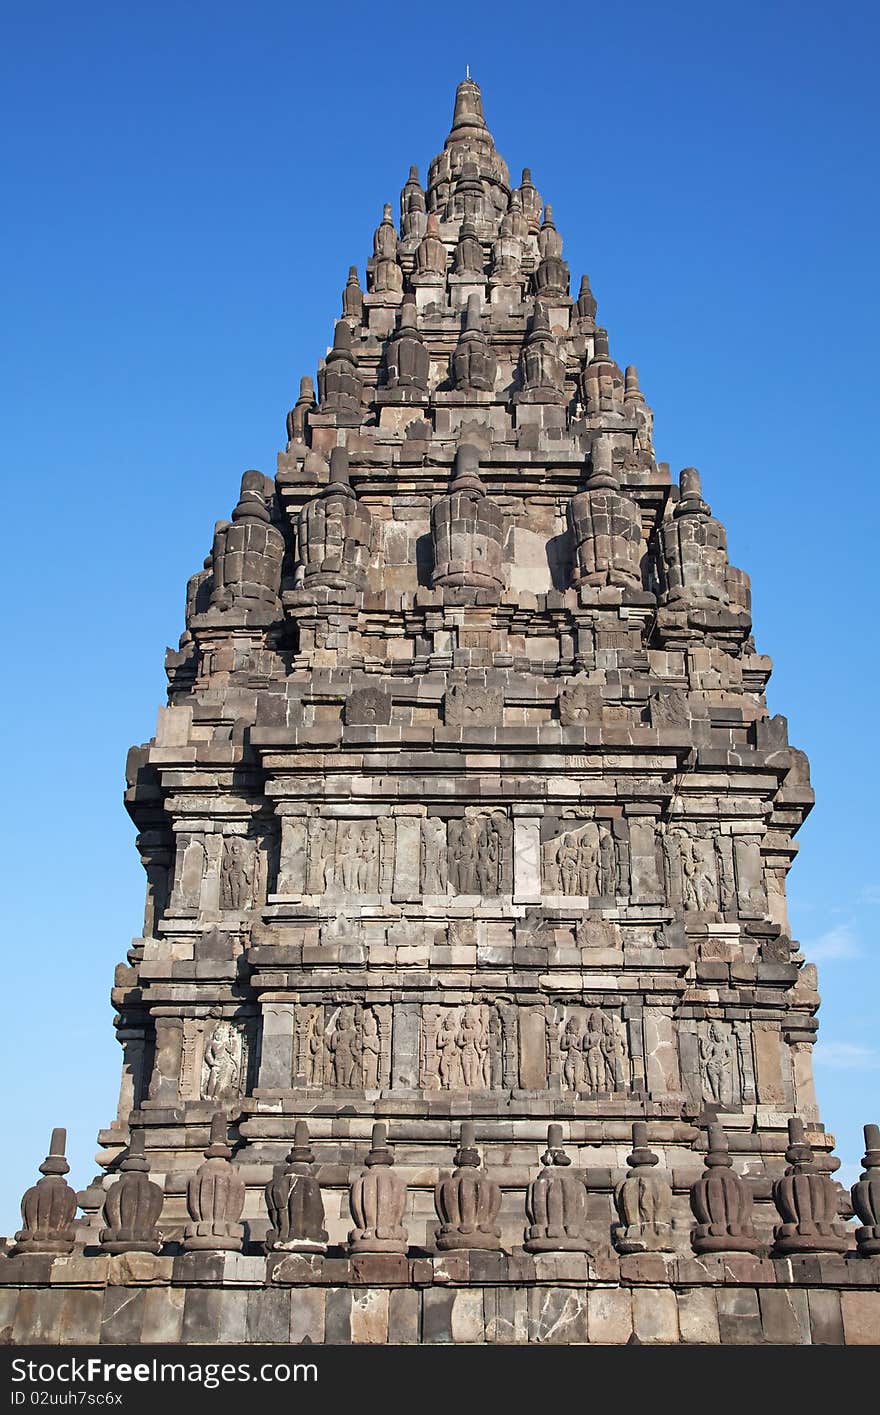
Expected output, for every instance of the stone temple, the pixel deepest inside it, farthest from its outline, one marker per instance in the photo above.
(466, 1006)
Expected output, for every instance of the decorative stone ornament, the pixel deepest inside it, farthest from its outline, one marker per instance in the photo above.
(694, 548)
(606, 527)
(215, 1198)
(377, 1201)
(294, 1202)
(866, 1196)
(468, 1200)
(298, 417)
(339, 382)
(247, 561)
(334, 533)
(556, 1203)
(133, 1205)
(467, 529)
(807, 1202)
(643, 1201)
(722, 1204)
(48, 1208)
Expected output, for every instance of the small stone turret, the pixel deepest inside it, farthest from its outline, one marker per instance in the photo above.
(294, 1202)
(542, 371)
(468, 1200)
(722, 1204)
(406, 357)
(384, 269)
(48, 1208)
(473, 363)
(606, 527)
(215, 1198)
(334, 533)
(429, 260)
(413, 209)
(643, 1201)
(532, 204)
(807, 1202)
(556, 1203)
(552, 275)
(133, 1205)
(298, 417)
(468, 198)
(247, 571)
(377, 1201)
(585, 305)
(353, 297)
(637, 409)
(866, 1196)
(693, 546)
(602, 383)
(468, 259)
(467, 529)
(339, 383)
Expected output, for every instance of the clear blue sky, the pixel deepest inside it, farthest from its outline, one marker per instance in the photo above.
(186, 186)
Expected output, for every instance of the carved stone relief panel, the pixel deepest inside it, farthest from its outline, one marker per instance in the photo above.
(480, 854)
(590, 860)
(587, 1048)
(214, 1059)
(342, 1046)
(472, 705)
(238, 867)
(720, 1069)
(713, 872)
(344, 856)
(460, 1048)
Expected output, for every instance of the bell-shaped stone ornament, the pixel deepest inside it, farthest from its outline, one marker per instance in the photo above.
(48, 1208)
(606, 526)
(339, 383)
(294, 1202)
(215, 1198)
(467, 530)
(298, 417)
(247, 571)
(473, 363)
(722, 1204)
(413, 209)
(552, 274)
(602, 383)
(585, 307)
(866, 1196)
(556, 1203)
(377, 1201)
(133, 1205)
(542, 370)
(353, 297)
(468, 258)
(334, 533)
(643, 1201)
(807, 1201)
(406, 357)
(693, 550)
(384, 268)
(429, 260)
(467, 1201)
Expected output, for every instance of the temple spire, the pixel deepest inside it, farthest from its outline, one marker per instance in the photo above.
(468, 112)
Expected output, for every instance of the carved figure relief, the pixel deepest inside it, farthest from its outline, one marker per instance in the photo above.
(460, 1048)
(719, 1064)
(590, 1050)
(583, 862)
(237, 873)
(223, 1065)
(346, 1046)
(480, 854)
(343, 855)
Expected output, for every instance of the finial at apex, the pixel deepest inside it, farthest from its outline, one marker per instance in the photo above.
(468, 111)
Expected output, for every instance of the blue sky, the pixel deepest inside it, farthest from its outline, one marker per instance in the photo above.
(186, 186)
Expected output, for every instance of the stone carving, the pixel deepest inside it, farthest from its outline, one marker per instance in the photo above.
(223, 1068)
(406, 357)
(294, 1202)
(434, 872)
(722, 1204)
(368, 706)
(585, 305)
(344, 1044)
(236, 873)
(377, 1201)
(468, 1200)
(637, 409)
(602, 383)
(866, 1196)
(606, 527)
(473, 364)
(133, 1205)
(247, 555)
(413, 217)
(298, 417)
(807, 1202)
(215, 1198)
(472, 704)
(467, 530)
(353, 297)
(507, 252)
(480, 854)
(542, 371)
(556, 1203)
(582, 862)
(594, 1053)
(690, 868)
(694, 549)
(48, 1208)
(334, 532)
(469, 199)
(430, 256)
(643, 1201)
(387, 276)
(468, 258)
(457, 1047)
(343, 855)
(719, 1063)
(339, 383)
(531, 202)
(552, 275)
(580, 703)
